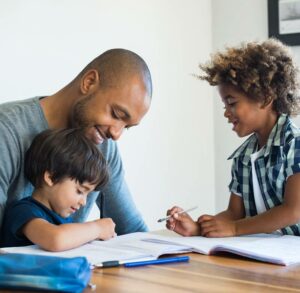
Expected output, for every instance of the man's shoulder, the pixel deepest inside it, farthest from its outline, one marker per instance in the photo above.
(21, 119)
(17, 109)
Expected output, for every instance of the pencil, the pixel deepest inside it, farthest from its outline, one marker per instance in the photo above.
(185, 211)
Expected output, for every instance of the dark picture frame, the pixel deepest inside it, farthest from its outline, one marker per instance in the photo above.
(291, 37)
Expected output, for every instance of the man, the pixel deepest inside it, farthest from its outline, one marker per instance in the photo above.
(111, 93)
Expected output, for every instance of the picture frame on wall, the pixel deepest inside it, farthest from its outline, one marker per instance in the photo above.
(284, 21)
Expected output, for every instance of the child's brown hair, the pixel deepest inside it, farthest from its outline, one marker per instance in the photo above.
(65, 153)
(263, 71)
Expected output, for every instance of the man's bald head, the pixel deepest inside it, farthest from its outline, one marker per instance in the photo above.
(116, 66)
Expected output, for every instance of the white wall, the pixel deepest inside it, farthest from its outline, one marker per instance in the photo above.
(169, 158)
(234, 21)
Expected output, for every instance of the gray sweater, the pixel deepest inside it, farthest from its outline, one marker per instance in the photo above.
(20, 122)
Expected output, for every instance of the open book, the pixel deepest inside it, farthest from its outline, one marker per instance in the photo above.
(277, 249)
(125, 249)
(271, 248)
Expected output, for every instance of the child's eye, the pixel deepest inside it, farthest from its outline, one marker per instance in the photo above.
(79, 191)
(230, 104)
(231, 101)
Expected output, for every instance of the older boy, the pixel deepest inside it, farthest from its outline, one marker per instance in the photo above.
(258, 84)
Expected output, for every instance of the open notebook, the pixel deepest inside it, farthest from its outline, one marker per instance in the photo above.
(277, 249)
(271, 248)
(126, 248)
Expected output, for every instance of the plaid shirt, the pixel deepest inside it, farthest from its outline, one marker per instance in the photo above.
(279, 159)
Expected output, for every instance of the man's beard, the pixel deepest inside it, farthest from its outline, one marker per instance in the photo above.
(77, 117)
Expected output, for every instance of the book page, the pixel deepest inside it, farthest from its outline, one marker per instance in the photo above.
(94, 253)
(284, 250)
(139, 246)
(196, 243)
(133, 242)
(124, 248)
(271, 248)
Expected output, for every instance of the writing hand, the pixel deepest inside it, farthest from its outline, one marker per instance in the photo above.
(106, 228)
(182, 224)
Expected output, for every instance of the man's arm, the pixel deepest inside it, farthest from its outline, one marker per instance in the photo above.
(67, 236)
(115, 200)
(9, 164)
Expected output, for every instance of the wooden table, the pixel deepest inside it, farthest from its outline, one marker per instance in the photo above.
(218, 273)
(222, 273)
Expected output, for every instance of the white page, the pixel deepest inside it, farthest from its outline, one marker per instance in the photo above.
(140, 246)
(197, 243)
(281, 249)
(124, 248)
(94, 253)
(265, 247)
(132, 242)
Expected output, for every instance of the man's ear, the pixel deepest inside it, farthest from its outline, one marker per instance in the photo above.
(89, 82)
(47, 179)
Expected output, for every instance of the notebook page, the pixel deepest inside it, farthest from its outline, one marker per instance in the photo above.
(132, 242)
(94, 253)
(206, 245)
(121, 248)
(283, 250)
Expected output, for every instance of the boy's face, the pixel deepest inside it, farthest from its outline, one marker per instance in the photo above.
(105, 113)
(67, 196)
(247, 116)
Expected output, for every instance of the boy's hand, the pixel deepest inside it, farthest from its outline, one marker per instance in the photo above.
(213, 227)
(106, 228)
(182, 224)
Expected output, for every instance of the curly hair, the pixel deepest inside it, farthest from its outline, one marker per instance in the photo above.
(263, 71)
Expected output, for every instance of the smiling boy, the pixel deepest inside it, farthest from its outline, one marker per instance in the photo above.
(259, 86)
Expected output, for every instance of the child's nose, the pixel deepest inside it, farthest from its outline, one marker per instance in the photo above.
(226, 113)
(82, 201)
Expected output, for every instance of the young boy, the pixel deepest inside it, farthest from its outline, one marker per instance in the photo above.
(64, 166)
(258, 84)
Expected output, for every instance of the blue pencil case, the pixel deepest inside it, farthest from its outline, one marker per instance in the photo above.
(43, 273)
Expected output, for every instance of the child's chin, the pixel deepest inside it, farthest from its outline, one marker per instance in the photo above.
(65, 215)
(241, 134)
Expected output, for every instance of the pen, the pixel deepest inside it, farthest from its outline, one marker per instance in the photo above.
(109, 264)
(168, 217)
(116, 263)
(157, 261)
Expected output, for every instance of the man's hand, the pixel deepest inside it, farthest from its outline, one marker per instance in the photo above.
(182, 224)
(211, 226)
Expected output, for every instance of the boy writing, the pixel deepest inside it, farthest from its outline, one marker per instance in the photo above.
(64, 166)
(258, 84)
